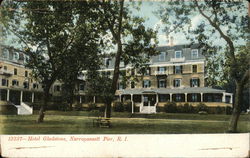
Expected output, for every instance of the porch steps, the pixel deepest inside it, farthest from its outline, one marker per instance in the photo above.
(147, 109)
(24, 109)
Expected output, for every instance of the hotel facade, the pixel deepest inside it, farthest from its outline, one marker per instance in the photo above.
(177, 74)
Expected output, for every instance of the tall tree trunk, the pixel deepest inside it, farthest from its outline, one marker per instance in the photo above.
(117, 37)
(43, 106)
(236, 108)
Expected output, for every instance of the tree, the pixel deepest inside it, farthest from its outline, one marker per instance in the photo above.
(58, 37)
(130, 37)
(225, 20)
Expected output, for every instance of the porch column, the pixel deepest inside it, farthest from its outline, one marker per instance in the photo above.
(8, 95)
(231, 98)
(94, 99)
(32, 97)
(170, 97)
(80, 99)
(185, 97)
(201, 97)
(21, 97)
(120, 97)
(157, 98)
(224, 97)
(132, 103)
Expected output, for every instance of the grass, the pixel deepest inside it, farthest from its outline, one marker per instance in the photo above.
(80, 122)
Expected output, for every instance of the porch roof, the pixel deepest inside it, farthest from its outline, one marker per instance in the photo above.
(169, 90)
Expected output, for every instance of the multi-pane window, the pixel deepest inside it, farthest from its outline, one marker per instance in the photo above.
(4, 82)
(194, 68)
(147, 71)
(161, 70)
(5, 68)
(15, 71)
(132, 84)
(57, 88)
(35, 86)
(16, 56)
(81, 87)
(26, 85)
(177, 82)
(120, 86)
(178, 69)
(146, 84)
(107, 62)
(162, 56)
(194, 82)
(178, 97)
(15, 83)
(163, 98)
(194, 97)
(194, 54)
(26, 73)
(161, 83)
(178, 54)
(5, 54)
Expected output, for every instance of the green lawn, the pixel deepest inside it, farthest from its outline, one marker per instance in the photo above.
(122, 123)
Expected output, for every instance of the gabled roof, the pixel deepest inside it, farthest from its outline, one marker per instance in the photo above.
(169, 90)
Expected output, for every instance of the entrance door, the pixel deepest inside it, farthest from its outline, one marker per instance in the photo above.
(149, 100)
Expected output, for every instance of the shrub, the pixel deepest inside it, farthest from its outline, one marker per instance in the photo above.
(180, 108)
(229, 110)
(102, 109)
(170, 107)
(78, 107)
(118, 107)
(219, 110)
(63, 107)
(201, 107)
(91, 106)
(127, 106)
(160, 109)
(136, 109)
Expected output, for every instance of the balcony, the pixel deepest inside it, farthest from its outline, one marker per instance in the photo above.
(161, 73)
(6, 72)
(177, 59)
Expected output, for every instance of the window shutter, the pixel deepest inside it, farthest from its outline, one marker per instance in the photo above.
(7, 83)
(174, 83)
(191, 83)
(142, 84)
(165, 86)
(181, 68)
(149, 83)
(198, 80)
(158, 83)
(174, 69)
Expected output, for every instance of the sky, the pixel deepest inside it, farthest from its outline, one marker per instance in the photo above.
(152, 21)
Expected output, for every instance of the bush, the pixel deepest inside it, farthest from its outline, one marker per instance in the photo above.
(102, 109)
(160, 109)
(91, 106)
(219, 110)
(78, 107)
(202, 107)
(170, 107)
(127, 106)
(118, 107)
(136, 109)
(63, 107)
(229, 110)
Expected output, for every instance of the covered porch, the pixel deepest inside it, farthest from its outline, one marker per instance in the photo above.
(148, 99)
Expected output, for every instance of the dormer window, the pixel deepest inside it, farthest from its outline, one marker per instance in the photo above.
(194, 54)
(107, 62)
(16, 56)
(162, 56)
(178, 54)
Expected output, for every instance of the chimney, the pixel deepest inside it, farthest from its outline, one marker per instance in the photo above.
(171, 43)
